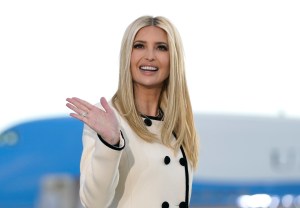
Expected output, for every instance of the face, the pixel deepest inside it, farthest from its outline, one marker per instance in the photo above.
(150, 58)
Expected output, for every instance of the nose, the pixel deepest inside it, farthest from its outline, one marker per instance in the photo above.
(150, 55)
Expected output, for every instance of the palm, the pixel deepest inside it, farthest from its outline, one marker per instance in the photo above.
(104, 122)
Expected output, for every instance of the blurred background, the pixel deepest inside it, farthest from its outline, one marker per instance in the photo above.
(242, 60)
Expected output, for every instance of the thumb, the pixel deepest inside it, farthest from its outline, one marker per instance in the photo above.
(104, 104)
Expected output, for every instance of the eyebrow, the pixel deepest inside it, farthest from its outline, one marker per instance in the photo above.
(142, 41)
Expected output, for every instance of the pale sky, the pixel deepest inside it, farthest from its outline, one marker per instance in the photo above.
(242, 57)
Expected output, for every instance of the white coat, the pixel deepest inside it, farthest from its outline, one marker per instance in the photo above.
(137, 174)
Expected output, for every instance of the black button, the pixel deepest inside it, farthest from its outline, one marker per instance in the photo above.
(148, 121)
(165, 205)
(182, 161)
(183, 205)
(167, 160)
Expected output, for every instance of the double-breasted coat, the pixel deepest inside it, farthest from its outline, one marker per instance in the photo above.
(134, 174)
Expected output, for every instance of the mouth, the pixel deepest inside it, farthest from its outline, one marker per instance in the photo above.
(148, 68)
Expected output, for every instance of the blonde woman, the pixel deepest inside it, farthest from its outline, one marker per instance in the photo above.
(141, 148)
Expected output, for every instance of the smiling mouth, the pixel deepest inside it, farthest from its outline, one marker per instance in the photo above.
(148, 68)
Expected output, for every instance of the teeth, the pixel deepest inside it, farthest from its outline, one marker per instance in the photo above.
(149, 68)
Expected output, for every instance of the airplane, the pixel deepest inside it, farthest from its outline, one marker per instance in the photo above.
(245, 161)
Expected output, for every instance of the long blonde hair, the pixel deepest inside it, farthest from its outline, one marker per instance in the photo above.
(174, 99)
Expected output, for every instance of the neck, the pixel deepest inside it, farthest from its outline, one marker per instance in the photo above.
(146, 101)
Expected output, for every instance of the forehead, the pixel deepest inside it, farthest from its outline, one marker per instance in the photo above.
(151, 33)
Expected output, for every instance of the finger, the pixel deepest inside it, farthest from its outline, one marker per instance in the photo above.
(85, 103)
(81, 104)
(75, 109)
(73, 102)
(105, 105)
(79, 117)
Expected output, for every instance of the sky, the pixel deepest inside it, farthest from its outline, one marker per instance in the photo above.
(242, 57)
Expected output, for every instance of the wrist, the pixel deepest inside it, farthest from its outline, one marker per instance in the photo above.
(115, 139)
(117, 145)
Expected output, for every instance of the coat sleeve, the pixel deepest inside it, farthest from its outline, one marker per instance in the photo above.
(99, 173)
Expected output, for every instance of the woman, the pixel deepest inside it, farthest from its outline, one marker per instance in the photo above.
(141, 148)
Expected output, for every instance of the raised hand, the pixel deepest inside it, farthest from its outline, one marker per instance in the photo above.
(104, 122)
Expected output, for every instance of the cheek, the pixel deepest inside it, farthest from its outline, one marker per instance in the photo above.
(132, 71)
(132, 59)
(167, 62)
(133, 62)
(132, 68)
(166, 71)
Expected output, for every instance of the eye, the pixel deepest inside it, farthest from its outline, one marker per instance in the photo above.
(162, 48)
(138, 45)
